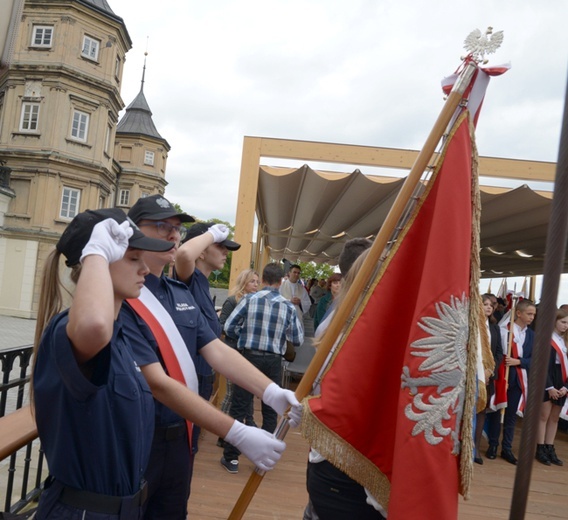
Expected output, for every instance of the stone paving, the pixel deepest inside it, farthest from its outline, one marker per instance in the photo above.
(16, 332)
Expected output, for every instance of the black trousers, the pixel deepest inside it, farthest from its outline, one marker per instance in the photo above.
(335, 496)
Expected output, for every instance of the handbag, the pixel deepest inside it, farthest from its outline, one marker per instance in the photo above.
(290, 353)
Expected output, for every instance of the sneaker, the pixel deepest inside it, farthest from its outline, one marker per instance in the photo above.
(232, 466)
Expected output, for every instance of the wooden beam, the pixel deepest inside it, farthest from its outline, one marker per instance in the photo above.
(397, 158)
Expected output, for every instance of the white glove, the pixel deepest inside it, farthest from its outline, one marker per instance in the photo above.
(261, 447)
(280, 400)
(109, 239)
(220, 232)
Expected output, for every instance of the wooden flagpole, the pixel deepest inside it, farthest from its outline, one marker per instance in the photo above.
(510, 344)
(553, 266)
(373, 257)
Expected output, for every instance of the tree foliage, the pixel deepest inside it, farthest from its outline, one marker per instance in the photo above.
(313, 270)
(217, 279)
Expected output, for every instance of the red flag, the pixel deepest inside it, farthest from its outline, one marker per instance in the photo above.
(401, 441)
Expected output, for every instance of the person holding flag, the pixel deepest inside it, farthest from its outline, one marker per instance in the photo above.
(167, 329)
(518, 362)
(554, 394)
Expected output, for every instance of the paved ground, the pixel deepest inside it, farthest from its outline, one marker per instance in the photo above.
(16, 332)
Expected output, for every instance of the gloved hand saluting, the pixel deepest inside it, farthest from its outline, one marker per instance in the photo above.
(220, 232)
(109, 239)
(280, 399)
(259, 446)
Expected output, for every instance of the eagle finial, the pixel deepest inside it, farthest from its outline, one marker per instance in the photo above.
(478, 44)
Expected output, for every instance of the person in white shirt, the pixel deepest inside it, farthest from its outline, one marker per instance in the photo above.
(292, 289)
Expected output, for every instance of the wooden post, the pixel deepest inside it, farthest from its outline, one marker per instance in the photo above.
(246, 206)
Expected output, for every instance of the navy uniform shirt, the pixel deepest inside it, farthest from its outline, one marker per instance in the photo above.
(180, 305)
(199, 287)
(96, 429)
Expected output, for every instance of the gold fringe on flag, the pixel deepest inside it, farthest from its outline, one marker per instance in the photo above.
(344, 456)
(466, 458)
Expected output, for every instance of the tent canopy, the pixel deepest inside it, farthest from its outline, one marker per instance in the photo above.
(305, 214)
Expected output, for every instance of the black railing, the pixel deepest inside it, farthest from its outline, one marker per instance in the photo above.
(14, 392)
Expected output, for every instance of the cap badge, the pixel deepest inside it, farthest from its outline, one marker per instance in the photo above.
(163, 203)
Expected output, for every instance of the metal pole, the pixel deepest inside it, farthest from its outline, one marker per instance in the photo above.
(553, 267)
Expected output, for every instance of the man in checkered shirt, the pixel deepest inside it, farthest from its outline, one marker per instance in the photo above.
(263, 322)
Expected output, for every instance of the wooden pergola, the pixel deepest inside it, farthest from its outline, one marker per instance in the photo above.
(513, 246)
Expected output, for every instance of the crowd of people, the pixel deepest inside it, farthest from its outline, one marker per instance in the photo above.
(505, 373)
(125, 374)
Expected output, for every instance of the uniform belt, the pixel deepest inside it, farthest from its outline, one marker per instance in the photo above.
(170, 432)
(98, 503)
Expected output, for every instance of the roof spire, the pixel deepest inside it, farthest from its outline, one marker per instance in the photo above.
(144, 67)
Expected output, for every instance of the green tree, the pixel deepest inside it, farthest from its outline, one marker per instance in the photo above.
(313, 270)
(222, 279)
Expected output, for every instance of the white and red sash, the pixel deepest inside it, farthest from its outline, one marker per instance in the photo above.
(172, 346)
(564, 367)
(562, 357)
(499, 398)
(517, 352)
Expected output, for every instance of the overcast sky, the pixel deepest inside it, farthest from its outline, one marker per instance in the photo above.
(363, 72)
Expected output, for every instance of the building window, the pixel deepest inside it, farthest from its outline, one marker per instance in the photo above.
(144, 195)
(30, 117)
(149, 158)
(90, 48)
(69, 202)
(80, 125)
(117, 67)
(107, 139)
(124, 198)
(42, 36)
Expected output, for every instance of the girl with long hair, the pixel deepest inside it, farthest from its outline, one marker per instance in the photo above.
(93, 408)
(554, 393)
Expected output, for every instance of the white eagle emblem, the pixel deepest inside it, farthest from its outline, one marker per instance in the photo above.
(480, 44)
(445, 350)
(163, 203)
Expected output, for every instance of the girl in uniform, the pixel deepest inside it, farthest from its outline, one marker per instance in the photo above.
(554, 393)
(94, 410)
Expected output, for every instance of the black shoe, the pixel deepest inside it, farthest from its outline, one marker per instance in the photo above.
(509, 457)
(491, 452)
(220, 442)
(542, 454)
(232, 466)
(478, 460)
(552, 457)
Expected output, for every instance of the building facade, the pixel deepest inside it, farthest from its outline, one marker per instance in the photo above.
(62, 148)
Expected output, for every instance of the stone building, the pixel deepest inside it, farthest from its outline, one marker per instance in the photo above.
(62, 147)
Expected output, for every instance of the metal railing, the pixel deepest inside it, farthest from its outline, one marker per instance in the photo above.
(23, 468)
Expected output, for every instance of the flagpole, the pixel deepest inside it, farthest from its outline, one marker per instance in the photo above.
(342, 313)
(510, 344)
(553, 268)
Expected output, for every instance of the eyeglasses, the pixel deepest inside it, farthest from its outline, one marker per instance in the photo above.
(165, 229)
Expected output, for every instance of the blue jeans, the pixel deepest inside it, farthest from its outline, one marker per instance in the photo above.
(271, 366)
